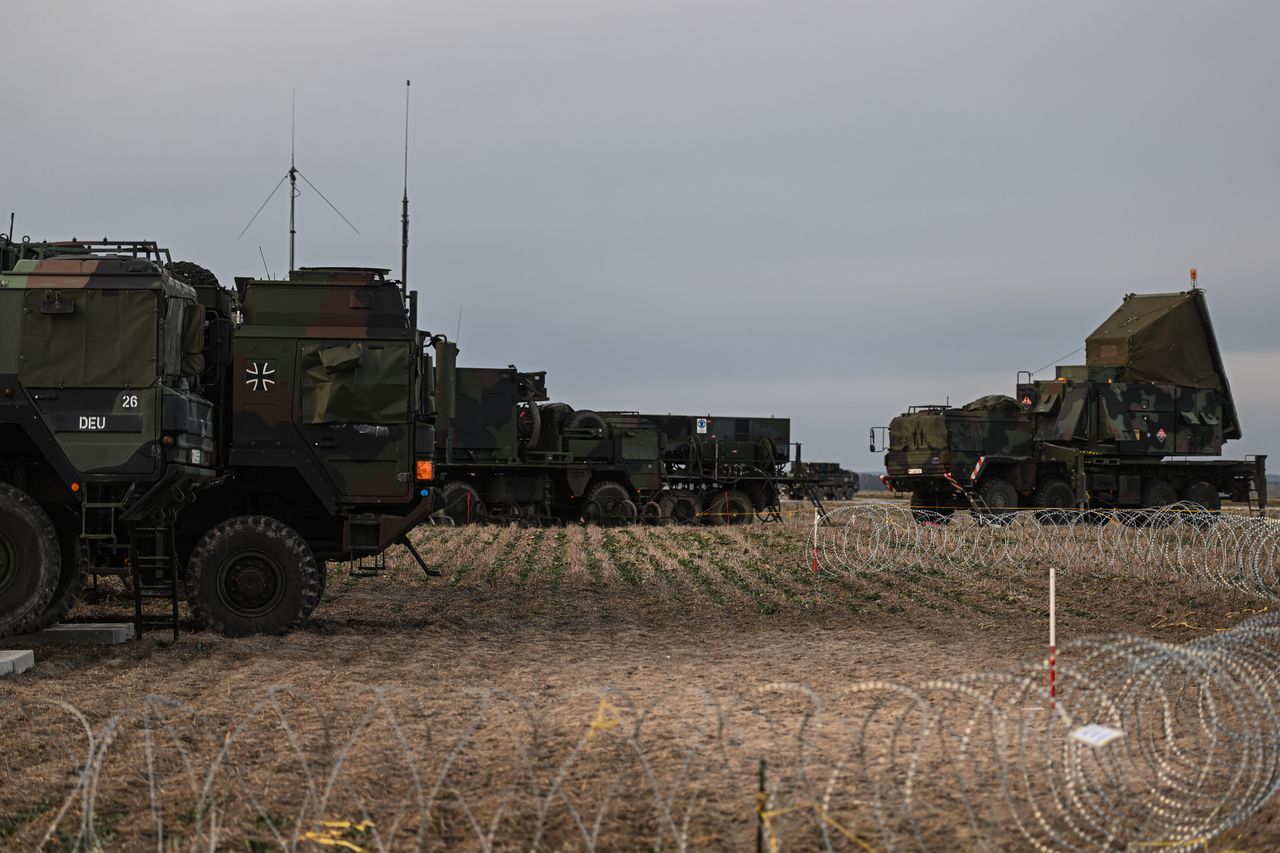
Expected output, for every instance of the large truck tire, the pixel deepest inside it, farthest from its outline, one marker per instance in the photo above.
(728, 506)
(252, 575)
(1051, 498)
(1204, 495)
(608, 503)
(462, 503)
(931, 508)
(999, 499)
(587, 420)
(193, 274)
(1157, 493)
(30, 559)
(72, 579)
(680, 506)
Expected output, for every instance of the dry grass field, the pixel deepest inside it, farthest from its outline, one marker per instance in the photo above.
(665, 617)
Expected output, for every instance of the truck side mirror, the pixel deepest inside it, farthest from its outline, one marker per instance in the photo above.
(872, 433)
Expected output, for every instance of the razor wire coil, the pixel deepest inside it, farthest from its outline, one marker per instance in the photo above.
(1226, 550)
(974, 762)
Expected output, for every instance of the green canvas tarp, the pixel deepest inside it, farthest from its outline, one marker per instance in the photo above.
(355, 383)
(88, 338)
(918, 431)
(1159, 337)
(1163, 338)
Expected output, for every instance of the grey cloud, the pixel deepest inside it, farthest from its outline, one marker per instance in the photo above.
(827, 210)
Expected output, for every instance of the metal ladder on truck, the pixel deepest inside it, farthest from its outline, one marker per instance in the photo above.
(154, 558)
(1258, 485)
(149, 553)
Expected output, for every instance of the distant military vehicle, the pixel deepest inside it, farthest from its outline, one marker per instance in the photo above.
(721, 469)
(1119, 431)
(143, 431)
(829, 480)
(505, 453)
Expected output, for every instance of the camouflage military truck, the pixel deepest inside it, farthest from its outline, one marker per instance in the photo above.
(103, 435)
(143, 432)
(829, 480)
(1123, 430)
(721, 469)
(327, 439)
(505, 453)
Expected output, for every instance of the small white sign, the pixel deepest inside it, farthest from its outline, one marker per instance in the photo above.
(702, 426)
(1095, 735)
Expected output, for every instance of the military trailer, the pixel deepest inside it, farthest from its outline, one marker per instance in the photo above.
(1130, 428)
(505, 453)
(724, 470)
(829, 480)
(202, 442)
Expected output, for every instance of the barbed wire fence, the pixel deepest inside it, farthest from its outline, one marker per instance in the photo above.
(1150, 745)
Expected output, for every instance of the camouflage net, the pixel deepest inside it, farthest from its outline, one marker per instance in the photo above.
(1233, 551)
(1150, 745)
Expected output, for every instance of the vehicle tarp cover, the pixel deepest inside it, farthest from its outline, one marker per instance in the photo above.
(993, 403)
(918, 431)
(355, 383)
(88, 338)
(1162, 337)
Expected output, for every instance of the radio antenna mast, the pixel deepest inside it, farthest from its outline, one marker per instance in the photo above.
(293, 171)
(292, 177)
(404, 217)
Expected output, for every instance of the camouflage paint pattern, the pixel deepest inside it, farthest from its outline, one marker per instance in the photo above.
(103, 351)
(325, 373)
(496, 432)
(1099, 426)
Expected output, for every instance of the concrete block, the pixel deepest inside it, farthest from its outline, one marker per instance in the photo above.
(81, 633)
(15, 661)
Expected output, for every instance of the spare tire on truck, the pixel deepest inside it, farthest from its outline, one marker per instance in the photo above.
(586, 420)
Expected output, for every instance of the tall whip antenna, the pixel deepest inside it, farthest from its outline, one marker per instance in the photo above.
(404, 217)
(293, 171)
(292, 177)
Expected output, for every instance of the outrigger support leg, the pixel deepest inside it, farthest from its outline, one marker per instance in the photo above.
(408, 546)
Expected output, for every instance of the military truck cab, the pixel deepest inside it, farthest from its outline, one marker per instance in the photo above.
(330, 416)
(103, 433)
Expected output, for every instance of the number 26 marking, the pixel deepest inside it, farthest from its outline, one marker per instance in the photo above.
(129, 401)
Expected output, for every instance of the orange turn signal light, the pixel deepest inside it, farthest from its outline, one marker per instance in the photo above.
(75, 487)
(425, 469)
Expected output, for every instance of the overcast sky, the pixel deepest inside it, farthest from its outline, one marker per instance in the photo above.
(820, 210)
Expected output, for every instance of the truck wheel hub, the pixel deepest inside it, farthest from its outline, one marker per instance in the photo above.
(252, 584)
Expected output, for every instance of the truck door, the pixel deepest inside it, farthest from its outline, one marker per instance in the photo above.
(355, 406)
